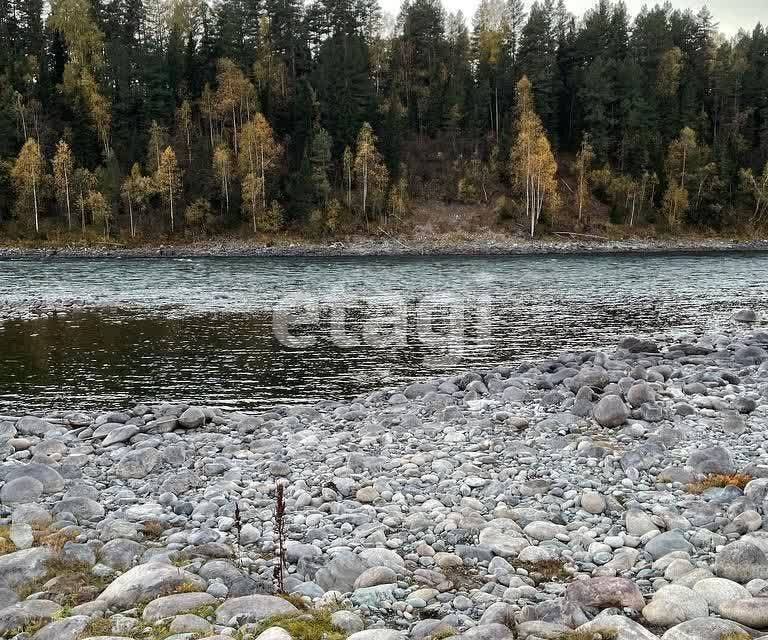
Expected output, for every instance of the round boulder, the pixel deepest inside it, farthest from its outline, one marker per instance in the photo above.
(610, 412)
(741, 561)
(21, 491)
(674, 604)
(718, 590)
(752, 612)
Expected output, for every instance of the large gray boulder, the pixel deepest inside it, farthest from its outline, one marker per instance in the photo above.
(640, 393)
(757, 490)
(711, 460)
(742, 561)
(84, 509)
(32, 426)
(750, 355)
(67, 629)
(120, 434)
(48, 476)
(624, 628)
(638, 345)
(21, 614)
(703, 629)
(718, 590)
(340, 573)
(121, 553)
(592, 377)
(751, 612)
(192, 418)
(674, 604)
(169, 606)
(253, 609)
(382, 634)
(557, 611)
(639, 523)
(147, 582)
(747, 316)
(604, 592)
(667, 542)
(22, 567)
(137, 464)
(610, 411)
(502, 543)
(21, 491)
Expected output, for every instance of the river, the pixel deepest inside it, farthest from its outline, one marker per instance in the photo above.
(204, 330)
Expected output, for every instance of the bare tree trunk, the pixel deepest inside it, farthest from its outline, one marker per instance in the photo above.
(226, 189)
(365, 193)
(234, 127)
(23, 119)
(130, 216)
(34, 197)
(170, 194)
(263, 179)
(69, 210)
(82, 212)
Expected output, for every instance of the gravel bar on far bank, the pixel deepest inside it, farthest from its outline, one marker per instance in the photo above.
(610, 494)
(390, 247)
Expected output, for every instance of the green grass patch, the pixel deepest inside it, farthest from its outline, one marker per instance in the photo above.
(314, 625)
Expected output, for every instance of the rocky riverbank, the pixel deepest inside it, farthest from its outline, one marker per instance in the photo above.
(483, 244)
(620, 494)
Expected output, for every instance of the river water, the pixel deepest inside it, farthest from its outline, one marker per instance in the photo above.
(206, 330)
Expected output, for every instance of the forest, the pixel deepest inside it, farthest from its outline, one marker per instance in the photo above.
(160, 119)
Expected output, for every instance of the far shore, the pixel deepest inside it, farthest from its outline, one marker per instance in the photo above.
(366, 246)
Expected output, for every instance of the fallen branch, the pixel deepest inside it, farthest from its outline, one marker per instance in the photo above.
(579, 235)
(391, 237)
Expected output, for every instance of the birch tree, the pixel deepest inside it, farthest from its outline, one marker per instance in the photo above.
(27, 174)
(677, 165)
(85, 182)
(168, 180)
(101, 212)
(370, 171)
(208, 108)
(63, 170)
(233, 87)
(85, 57)
(184, 125)
(584, 159)
(136, 191)
(259, 153)
(757, 187)
(158, 141)
(533, 165)
(222, 167)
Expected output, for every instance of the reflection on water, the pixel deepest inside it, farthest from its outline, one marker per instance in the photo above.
(202, 330)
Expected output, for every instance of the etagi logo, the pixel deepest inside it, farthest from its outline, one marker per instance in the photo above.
(436, 328)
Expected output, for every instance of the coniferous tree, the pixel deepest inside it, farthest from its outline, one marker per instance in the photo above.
(121, 80)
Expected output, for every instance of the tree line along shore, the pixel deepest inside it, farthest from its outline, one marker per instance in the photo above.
(137, 121)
